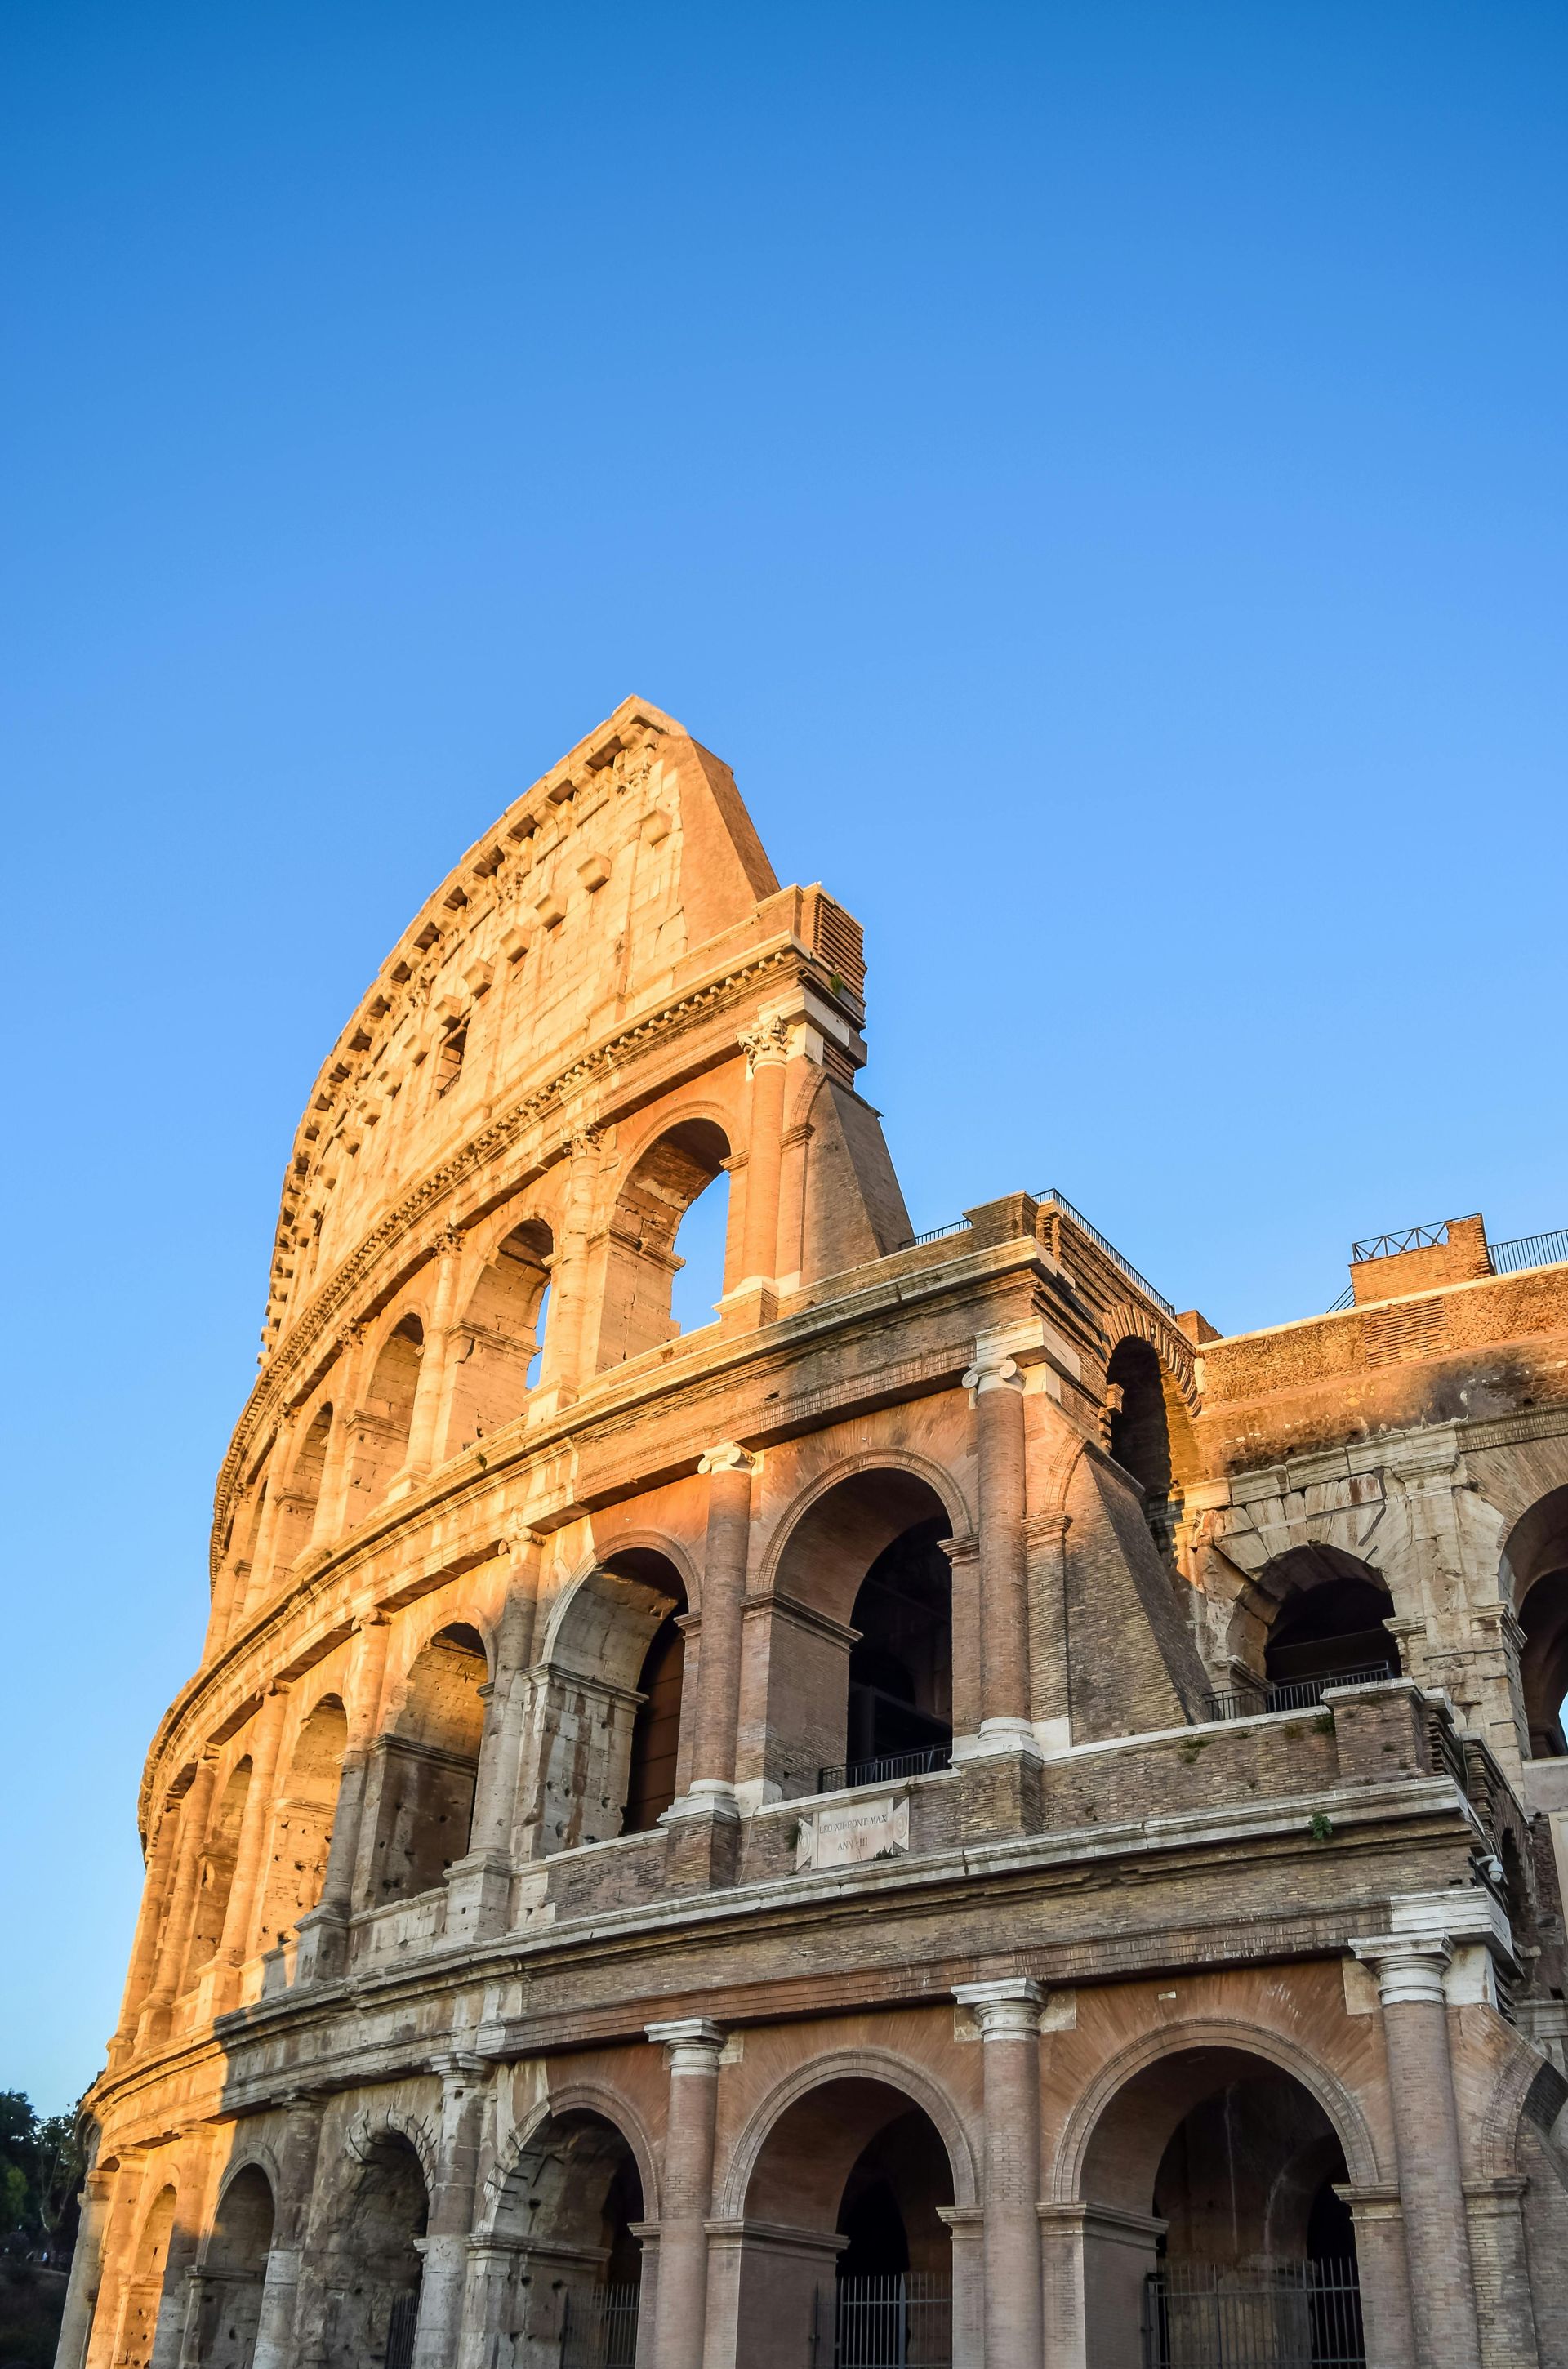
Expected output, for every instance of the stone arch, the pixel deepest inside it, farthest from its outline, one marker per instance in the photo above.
(384, 1417)
(250, 2153)
(581, 2095)
(424, 1765)
(1533, 1578)
(220, 1854)
(493, 1346)
(1313, 1611)
(300, 1489)
(306, 1805)
(1148, 1423)
(371, 2265)
(866, 2064)
(659, 1184)
(156, 2242)
(937, 1477)
(598, 1640)
(373, 2123)
(234, 2265)
(564, 2267)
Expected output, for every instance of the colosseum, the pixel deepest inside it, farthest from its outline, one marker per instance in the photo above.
(950, 1817)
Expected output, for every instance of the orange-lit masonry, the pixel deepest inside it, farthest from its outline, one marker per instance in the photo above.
(949, 1816)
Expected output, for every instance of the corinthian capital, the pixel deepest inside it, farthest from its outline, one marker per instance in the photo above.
(767, 1040)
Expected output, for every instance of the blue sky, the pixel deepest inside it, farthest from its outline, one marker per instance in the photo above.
(1096, 472)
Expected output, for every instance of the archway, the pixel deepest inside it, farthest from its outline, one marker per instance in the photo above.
(494, 1348)
(564, 2268)
(846, 2255)
(301, 1492)
(144, 2287)
(1330, 1623)
(424, 1769)
(1151, 1435)
(233, 2266)
(373, 2264)
(1535, 1579)
(609, 1736)
(1212, 2225)
(860, 1637)
(641, 1264)
(384, 1419)
(302, 1825)
(219, 1858)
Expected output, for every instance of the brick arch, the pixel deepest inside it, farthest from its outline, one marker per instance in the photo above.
(1271, 2048)
(1127, 1321)
(652, 1542)
(870, 2063)
(576, 2097)
(1528, 2091)
(594, 1595)
(937, 1477)
(632, 1143)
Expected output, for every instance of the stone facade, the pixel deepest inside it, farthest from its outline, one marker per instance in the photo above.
(951, 1775)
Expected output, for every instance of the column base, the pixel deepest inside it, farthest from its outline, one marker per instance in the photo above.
(703, 1834)
(752, 1303)
(321, 1952)
(1000, 1785)
(478, 1896)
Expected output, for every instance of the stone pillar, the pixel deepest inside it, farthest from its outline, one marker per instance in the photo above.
(766, 1047)
(296, 2181)
(463, 2093)
(1050, 1704)
(998, 1387)
(1382, 2274)
(1008, 2014)
(323, 1930)
(704, 1824)
(500, 1757)
(86, 2271)
(566, 1335)
(331, 1505)
(261, 1553)
(691, 2051)
(149, 1922)
(1410, 1968)
(174, 1940)
(239, 1917)
(432, 1384)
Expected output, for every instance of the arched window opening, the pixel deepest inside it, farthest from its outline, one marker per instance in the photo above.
(498, 1341)
(373, 2262)
(847, 1709)
(1258, 2256)
(856, 2161)
(228, 2299)
(424, 1770)
(1534, 1579)
(1151, 1436)
(566, 2218)
(382, 1424)
(302, 1828)
(145, 2288)
(296, 1507)
(611, 1740)
(900, 1698)
(641, 1267)
(218, 1862)
(1332, 1623)
(701, 1248)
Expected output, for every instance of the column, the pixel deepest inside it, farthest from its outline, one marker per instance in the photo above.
(704, 1824)
(1050, 1704)
(86, 2270)
(331, 1505)
(564, 1355)
(431, 1383)
(691, 2051)
(766, 1047)
(174, 1940)
(323, 1930)
(1008, 2014)
(254, 1828)
(1410, 1968)
(500, 1758)
(998, 1387)
(464, 2092)
(297, 2182)
(144, 1949)
(260, 1582)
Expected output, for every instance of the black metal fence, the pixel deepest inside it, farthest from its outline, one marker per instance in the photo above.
(1273, 2316)
(599, 2330)
(400, 2330)
(885, 1771)
(893, 2320)
(1529, 1249)
(1292, 1694)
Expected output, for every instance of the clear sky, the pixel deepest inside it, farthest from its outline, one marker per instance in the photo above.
(1097, 472)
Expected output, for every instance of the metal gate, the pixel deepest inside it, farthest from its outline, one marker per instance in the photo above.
(1273, 2316)
(599, 2330)
(898, 2320)
(400, 2330)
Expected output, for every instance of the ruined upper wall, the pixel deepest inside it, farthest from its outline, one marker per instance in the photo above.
(581, 908)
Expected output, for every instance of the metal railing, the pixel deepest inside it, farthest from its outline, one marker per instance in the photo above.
(896, 2320)
(1292, 1694)
(600, 2330)
(1125, 1264)
(1271, 2316)
(401, 2329)
(886, 1770)
(1529, 1249)
(1414, 1237)
(940, 1233)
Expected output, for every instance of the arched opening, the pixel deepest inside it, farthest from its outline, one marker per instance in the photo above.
(1330, 1624)
(382, 1424)
(296, 1507)
(702, 1252)
(852, 2251)
(568, 2286)
(642, 1262)
(859, 1689)
(424, 1769)
(373, 2266)
(219, 1858)
(144, 2287)
(1535, 1579)
(1229, 2167)
(611, 1737)
(302, 1826)
(495, 1347)
(233, 2268)
(1151, 1435)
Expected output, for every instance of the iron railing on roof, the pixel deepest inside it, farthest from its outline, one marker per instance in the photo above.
(1292, 1694)
(1125, 1264)
(1529, 1249)
(940, 1233)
